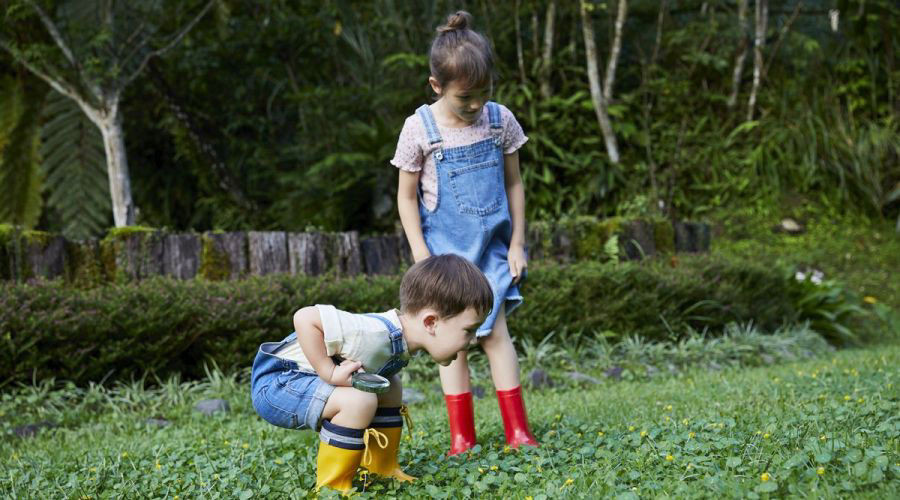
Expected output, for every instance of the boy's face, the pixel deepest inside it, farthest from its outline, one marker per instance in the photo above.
(464, 103)
(449, 336)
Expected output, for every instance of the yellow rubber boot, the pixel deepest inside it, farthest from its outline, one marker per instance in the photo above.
(335, 467)
(382, 444)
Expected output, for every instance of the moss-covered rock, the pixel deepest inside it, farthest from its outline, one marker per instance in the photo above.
(83, 268)
(215, 263)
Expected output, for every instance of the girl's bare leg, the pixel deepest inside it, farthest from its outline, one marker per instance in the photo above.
(501, 355)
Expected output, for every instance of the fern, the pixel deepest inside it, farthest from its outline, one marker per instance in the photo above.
(75, 169)
(20, 175)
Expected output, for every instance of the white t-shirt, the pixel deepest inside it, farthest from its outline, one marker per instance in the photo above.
(351, 336)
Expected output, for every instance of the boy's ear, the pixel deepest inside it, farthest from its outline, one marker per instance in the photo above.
(435, 85)
(429, 320)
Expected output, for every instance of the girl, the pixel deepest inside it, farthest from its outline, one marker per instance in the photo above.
(460, 192)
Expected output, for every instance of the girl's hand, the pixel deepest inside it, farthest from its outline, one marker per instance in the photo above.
(342, 372)
(517, 262)
(417, 256)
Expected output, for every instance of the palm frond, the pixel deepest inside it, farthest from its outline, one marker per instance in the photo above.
(75, 168)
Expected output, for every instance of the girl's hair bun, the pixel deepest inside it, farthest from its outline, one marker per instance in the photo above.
(459, 21)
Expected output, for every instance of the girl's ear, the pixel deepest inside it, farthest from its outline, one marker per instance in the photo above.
(435, 85)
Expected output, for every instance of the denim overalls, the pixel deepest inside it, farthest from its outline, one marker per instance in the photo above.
(472, 218)
(286, 396)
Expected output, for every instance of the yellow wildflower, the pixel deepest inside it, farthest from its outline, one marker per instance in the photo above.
(668, 407)
(820, 471)
(766, 435)
(764, 476)
(600, 433)
(493, 467)
(481, 470)
(860, 400)
(643, 433)
(245, 446)
(630, 428)
(868, 299)
(822, 437)
(124, 454)
(669, 458)
(93, 469)
(158, 466)
(684, 422)
(847, 397)
(691, 435)
(506, 449)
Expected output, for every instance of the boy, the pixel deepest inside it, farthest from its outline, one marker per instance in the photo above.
(304, 381)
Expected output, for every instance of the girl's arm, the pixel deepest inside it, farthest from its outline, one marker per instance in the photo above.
(311, 336)
(515, 192)
(408, 206)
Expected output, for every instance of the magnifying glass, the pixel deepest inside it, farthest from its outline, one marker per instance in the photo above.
(369, 382)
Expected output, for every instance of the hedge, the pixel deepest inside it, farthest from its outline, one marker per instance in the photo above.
(166, 325)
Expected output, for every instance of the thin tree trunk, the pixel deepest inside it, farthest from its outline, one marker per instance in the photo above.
(659, 23)
(535, 43)
(781, 36)
(614, 51)
(547, 57)
(741, 55)
(590, 50)
(762, 14)
(110, 125)
(520, 57)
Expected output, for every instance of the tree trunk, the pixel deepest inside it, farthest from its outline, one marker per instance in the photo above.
(547, 57)
(590, 50)
(614, 51)
(742, 53)
(520, 58)
(762, 15)
(110, 125)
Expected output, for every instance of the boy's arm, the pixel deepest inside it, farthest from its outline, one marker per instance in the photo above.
(311, 336)
(408, 206)
(515, 192)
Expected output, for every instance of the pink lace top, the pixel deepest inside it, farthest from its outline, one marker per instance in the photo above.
(414, 154)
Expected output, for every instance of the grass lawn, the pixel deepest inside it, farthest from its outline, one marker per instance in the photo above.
(827, 427)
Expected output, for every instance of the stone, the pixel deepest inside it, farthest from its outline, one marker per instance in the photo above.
(210, 406)
(582, 378)
(790, 226)
(614, 372)
(637, 240)
(539, 378)
(158, 422)
(692, 237)
(31, 430)
(412, 396)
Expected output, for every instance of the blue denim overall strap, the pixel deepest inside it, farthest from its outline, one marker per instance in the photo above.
(472, 217)
(399, 358)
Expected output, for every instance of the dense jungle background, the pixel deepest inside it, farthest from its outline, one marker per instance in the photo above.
(284, 115)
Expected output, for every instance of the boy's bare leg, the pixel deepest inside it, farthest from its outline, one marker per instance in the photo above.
(349, 407)
(455, 377)
(501, 355)
(393, 397)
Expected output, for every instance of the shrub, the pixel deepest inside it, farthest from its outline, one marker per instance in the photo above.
(164, 325)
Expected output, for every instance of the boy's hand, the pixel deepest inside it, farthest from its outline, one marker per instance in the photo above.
(517, 262)
(342, 372)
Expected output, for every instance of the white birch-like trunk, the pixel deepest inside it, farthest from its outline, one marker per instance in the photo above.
(547, 57)
(590, 50)
(741, 55)
(520, 57)
(762, 15)
(109, 121)
(614, 51)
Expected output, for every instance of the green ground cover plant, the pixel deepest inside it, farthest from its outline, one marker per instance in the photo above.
(826, 427)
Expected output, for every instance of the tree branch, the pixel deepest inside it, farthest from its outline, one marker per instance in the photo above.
(54, 32)
(614, 51)
(172, 43)
(781, 37)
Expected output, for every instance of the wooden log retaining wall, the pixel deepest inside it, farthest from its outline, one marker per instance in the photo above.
(136, 253)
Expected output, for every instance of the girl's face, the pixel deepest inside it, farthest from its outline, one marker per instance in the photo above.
(464, 104)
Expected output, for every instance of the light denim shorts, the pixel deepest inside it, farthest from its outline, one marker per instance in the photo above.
(284, 395)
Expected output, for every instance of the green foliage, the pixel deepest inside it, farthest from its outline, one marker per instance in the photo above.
(701, 434)
(162, 324)
(20, 174)
(75, 168)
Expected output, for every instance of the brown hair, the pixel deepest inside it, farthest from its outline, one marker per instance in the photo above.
(459, 54)
(447, 283)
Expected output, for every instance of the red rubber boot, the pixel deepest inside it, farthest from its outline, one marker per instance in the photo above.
(461, 414)
(515, 421)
